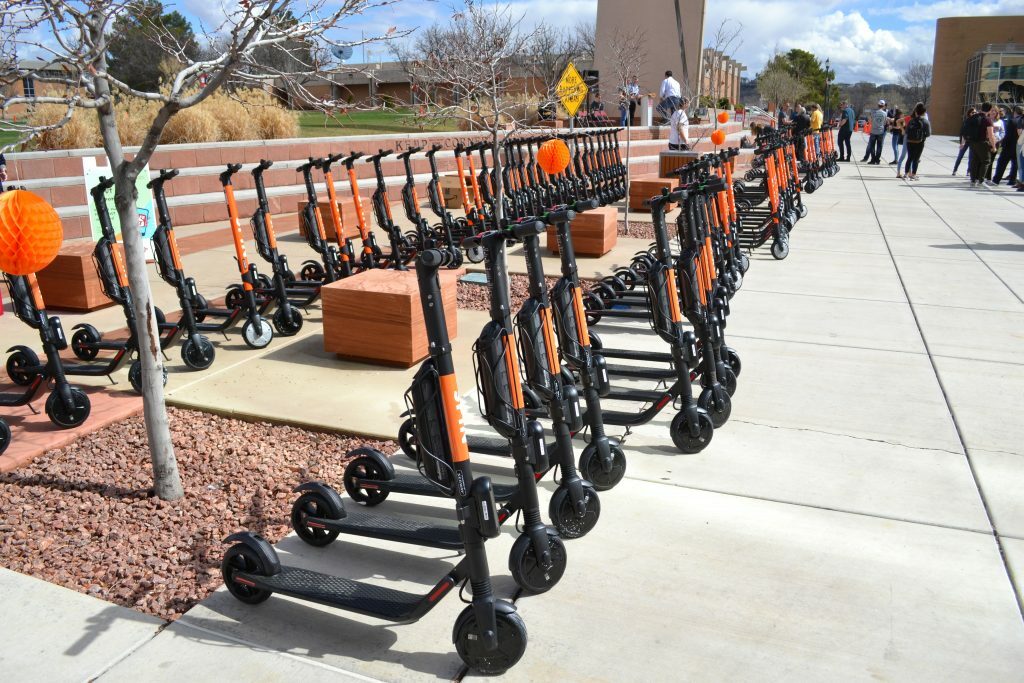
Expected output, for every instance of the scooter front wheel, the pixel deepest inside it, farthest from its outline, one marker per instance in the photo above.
(565, 517)
(312, 504)
(511, 636)
(83, 343)
(692, 443)
(717, 404)
(197, 352)
(287, 325)
(592, 469)
(241, 558)
(65, 416)
(780, 249)
(407, 439)
(257, 338)
(5, 436)
(526, 567)
(20, 365)
(732, 359)
(135, 376)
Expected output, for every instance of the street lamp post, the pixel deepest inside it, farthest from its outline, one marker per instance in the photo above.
(828, 110)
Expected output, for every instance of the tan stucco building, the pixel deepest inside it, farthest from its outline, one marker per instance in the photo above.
(957, 40)
(674, 33)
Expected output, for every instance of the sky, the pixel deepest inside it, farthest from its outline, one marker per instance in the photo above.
(869, 40)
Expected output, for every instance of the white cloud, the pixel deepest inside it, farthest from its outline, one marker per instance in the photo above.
(919, 12)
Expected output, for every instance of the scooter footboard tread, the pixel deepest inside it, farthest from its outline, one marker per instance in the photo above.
(403, 530)
(386, 603)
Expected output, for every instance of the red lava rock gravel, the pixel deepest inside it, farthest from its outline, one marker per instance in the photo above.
(83, 516)
(476, 297)
(641, 230)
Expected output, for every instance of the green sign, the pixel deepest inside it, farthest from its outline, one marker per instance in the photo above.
(147, 221)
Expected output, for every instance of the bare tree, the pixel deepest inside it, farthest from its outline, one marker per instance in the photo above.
(546, 57)
(776, 85)
(586, 36)
(917, 81)
(627, 55)
(726, 40)
(466, 71)
(77, 79)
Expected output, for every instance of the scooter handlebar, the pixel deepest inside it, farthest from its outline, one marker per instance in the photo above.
(585, 205)
(351, 158)
(232, 169)
(435, 258)
(379, 155)
(165, 175)
(560, 216)
(434, 150)
(104, 184)
(528, 227)
(409, 152)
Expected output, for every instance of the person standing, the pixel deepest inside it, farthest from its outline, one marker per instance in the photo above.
(679, 127)
(846, 124)
(1008, 151)
(1019, 111)
(998, 132)
(3, 171)
(917, 131)
(896, 137)
(623, 109)
(633, 94)
(964, 142)
(801, 124)
(669, 94)
(879, 120)
(982, 142)
(817, 117)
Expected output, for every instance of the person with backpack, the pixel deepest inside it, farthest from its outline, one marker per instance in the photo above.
(879, 119)
(917, 131)
(982, 142)
(964, 142)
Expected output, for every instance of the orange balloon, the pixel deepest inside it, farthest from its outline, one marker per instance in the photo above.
(30, 233)
(723, 117)
(718, 137)
(553, 156)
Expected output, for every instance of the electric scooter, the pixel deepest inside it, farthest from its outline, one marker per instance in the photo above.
(401, 251)
(67, 406)
(328, 269)
(371, 255)
(489, 634)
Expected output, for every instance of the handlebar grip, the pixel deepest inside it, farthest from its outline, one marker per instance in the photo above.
(264, 164)
(434, 258)
(335, 157)
(167, 174)
(528, 227)
(415, 150)
(105, 183)
(714, 184)
(560, 216)
(234, 168)
(585, 205)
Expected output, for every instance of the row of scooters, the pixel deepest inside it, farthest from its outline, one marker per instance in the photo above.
(542, 362)
(256, 294)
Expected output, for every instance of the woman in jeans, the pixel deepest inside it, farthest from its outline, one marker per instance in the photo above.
(896, 138)
(915, 133)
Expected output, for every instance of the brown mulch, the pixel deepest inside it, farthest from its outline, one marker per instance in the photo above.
(475, 297)
(641, 230)
(84, 516)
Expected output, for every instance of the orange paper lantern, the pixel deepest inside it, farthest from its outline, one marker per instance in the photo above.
(30, 233)
(723, 117)
(553, 156)
(718, 137)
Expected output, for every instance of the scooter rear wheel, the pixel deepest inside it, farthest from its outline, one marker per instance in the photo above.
(312, 504)
(241, 557)
(718, 405)
(65, 417)
(197, 352)
(83, 343)
(257, 339)
(287, 326)
(525, 565)
(780, 249)
(235, 298)
(687, 442)
(732, 359)
(511, 642)
(5, 436)
(19, 366)
(364, 468)
(563, 513)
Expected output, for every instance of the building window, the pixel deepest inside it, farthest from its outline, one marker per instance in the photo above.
(28, 86)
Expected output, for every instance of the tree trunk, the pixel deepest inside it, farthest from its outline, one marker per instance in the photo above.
(166, 480)
(499, 186)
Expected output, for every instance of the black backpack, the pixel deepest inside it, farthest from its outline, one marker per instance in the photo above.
(973, 130)
(917, 129)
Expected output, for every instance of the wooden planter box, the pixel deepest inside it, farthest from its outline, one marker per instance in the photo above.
(641, 190)
(376, 316)
(594, 233)
(672, 159)
(347, 207)
(71, 282)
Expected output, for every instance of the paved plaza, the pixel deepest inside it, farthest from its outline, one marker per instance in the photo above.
(859, 518)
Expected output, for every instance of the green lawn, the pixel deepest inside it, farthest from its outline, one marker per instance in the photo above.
(314, 124)
(7, 137)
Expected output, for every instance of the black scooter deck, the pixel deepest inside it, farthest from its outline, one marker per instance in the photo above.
(400, 530)
(417, 485)
(641, 373)
(628, 354)
(336, 591)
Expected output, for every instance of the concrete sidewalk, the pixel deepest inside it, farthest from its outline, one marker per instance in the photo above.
(859, 517)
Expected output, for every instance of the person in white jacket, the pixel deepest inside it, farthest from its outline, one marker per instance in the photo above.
(669, 94)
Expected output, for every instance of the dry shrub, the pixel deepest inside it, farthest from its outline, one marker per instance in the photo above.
(81, 131)
(233, 118)
(134, 117)
(195, 124)
(272, 121)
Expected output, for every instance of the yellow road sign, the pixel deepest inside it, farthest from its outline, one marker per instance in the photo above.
(571, 89)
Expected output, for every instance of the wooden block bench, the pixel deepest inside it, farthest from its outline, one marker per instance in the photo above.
(451, 191)
(594, 232)
(642, 188)
(71, 282)
(376, 316)
(672, 159)
(347, 208)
